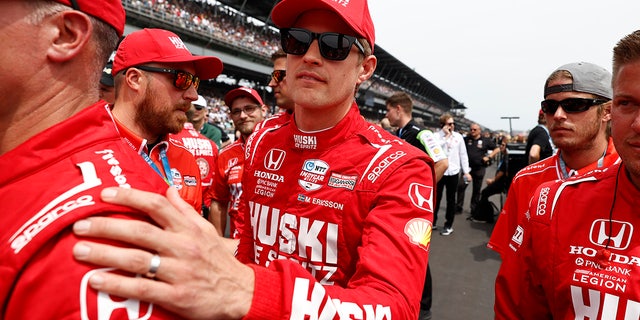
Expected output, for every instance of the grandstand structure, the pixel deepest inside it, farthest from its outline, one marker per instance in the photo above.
(241, 33)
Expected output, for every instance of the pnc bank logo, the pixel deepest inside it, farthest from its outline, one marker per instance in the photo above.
(611, 233)
(274, 159)
(421, 196)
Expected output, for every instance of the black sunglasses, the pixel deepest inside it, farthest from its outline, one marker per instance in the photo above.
(278, 75)
(181, 79)
(333, 46)
(570, 105)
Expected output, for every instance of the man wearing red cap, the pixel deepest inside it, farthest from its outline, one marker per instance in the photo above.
(156, 79)
(338, 210)
(59, 148)
(246, 110)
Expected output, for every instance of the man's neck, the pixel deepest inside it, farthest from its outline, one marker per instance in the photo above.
(312, 119)
(580, 158)
(403, 121)
(127, 120)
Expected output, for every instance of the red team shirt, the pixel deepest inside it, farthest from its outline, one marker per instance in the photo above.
(55, 179)
(341, 218)
(227, 184)
(184, 173)
(522, 187)
(204, 151)
(564, 268)
(507, 233)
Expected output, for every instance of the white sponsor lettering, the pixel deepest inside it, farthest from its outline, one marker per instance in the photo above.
(315, 166)
(600, 282)
(305, 142)
(614, 257)
(32, 230)
(268, 175)
(342, 181)
(605, 304)
(90, 180)
(328, 204)
(542, 201)
(384, 164)
(116, 170)
(312, 241)
(310, 301)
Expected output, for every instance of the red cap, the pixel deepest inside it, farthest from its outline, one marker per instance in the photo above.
(158, 45)
(109, 11)
(242, 92)
(354, 12)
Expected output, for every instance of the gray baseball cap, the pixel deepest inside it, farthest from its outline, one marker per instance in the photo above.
(587, 77)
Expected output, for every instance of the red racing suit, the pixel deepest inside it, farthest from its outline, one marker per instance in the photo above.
(49, 182)
(340, 218)
(184, 173)
(522, 187)
(204, 150)
(507, 232)
(580, 255)
(227, 183)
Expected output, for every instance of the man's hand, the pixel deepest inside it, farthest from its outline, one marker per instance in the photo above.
(197, 277)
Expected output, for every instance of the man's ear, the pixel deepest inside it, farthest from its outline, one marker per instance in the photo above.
(70, 32)
(606, 111)
(368, 67)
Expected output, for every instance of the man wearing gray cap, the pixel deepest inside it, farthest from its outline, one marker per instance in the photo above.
(578, 257)
(577, 107)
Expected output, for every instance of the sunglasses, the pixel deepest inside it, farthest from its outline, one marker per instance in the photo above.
(333, 46)
(181, 79)
(248, 110)
(278, 75)
(570, 105)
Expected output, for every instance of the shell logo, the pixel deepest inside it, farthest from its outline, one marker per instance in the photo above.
(419, 232)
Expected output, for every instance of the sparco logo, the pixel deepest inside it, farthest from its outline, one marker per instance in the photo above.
(274, 159)
(421, 196)
(614, 234)
(542, 202)
(384, 164)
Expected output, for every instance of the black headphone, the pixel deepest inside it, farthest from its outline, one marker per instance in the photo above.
(604, 254)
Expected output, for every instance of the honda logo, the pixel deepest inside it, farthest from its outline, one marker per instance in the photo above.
(421, 196)
(274, 159)
(611, 233)
(102, 306)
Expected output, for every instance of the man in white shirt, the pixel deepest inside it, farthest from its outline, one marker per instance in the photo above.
(453, 144)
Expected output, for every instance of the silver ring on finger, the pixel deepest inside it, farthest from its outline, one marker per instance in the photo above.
(154, 264)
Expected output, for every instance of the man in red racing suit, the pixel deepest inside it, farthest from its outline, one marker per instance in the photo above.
(521, 189)
(564, 268)
(49, 182)
(342, 220)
